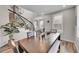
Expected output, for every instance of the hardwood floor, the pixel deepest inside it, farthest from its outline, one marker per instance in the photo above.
(6, 49)
(67, 47)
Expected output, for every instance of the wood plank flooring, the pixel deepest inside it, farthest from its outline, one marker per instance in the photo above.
(65, 47)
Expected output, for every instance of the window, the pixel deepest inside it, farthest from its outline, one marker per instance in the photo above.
(41, 24)
(35, 24)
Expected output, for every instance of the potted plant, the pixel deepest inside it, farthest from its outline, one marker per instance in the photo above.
(11, 28)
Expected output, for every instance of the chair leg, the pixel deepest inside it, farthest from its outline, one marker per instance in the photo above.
(20, 49)
(15, 50)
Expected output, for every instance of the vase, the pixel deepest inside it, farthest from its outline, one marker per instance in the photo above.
(11, 41)
(12, 45)
(11, 36)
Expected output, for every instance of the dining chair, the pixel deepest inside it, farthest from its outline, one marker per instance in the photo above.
(14, 46)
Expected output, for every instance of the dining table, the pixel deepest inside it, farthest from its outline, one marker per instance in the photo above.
(36, 44)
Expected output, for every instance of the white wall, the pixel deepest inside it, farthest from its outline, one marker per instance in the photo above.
(58, 19)
(77, 29)
(4, 18)
(77, 21)
(69, 24)
(48, 26)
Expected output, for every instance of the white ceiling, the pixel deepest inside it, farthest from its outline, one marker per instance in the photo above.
(44, 9)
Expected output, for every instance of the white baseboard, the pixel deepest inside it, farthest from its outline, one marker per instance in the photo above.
(67, 40)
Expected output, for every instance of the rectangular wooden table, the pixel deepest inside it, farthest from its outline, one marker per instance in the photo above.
(37, 45)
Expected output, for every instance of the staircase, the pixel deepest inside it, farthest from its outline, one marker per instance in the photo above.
(27, 24)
